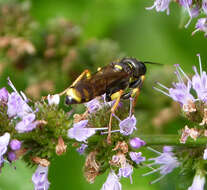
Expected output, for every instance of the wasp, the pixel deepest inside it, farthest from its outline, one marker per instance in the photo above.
(120, 79)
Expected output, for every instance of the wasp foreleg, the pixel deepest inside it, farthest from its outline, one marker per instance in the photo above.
(136, 91)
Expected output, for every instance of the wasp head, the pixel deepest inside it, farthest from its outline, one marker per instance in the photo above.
(138, 68)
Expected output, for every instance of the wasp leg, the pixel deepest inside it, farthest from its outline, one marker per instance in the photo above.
(136, 92)
(86, 73)
(117, 96)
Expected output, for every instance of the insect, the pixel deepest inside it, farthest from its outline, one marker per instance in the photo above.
(121, 79)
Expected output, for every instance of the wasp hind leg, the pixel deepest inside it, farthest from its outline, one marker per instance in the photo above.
(116, 96)
(86, 73)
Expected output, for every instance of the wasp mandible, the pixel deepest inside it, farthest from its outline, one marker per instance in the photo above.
(112, 80)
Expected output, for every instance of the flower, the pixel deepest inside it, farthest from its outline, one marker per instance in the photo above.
(137, 157)
(201, 25)
(199, 82)
(17, 106)
(4, 95)
(128, 125)
(136, 142)
(39, 178)
(27, 124)
(198, 182)
(4, 141)
(125, 171)
(167, 161)
(93, 105)
(205, 154)
(204, 6)
(112, 182)
(80, 132)
(82, 148)
(15, 144)
(160, 6)
(180, 91)
(53, 99)
(12, 156)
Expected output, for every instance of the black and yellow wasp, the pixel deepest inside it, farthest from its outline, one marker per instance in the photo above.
(121, 79)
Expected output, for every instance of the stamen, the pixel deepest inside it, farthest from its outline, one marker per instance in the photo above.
(151, 172)
(24, 96)
(163, 86)
(188, 9)
(116, 117)
(195, 70)
(131, 105)
(152, 7)
(178, 76)
(103, 133)
(184, 73)
(103, 128)
(11, 85)
(200, 65)
(153, 150)
(158, 179)
(159, 90)
(196, 30)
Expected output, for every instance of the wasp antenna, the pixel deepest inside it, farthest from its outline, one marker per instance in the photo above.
(148, 62)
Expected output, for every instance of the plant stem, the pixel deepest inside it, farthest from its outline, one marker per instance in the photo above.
(172, 140)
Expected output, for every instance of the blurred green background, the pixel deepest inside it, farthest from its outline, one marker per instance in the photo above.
(106, 30)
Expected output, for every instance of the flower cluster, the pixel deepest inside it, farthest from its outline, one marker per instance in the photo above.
(28, 130)
(191, 94)
(120, 155)
(193, 8)
(194, 107)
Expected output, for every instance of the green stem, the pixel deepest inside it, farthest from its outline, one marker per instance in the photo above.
(172, 140)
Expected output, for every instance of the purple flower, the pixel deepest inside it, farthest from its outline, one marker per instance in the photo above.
(198, 182)
(82, 148)
(17, 106)
(27, 124)
(4, 95)
(160, 6)
(205, 154)
(80, 132)
(93, 105)
(204, 6)
(125, 171)
(112, 182)
(167, 161)
(39, 178)
(201, 25)
(15, 144)
(128, 125)
(185, 3)
(168, 149)
(4, 141)
(137, 157)
(136, 142)
(12, 156)
(180, 91)
(199, 83)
